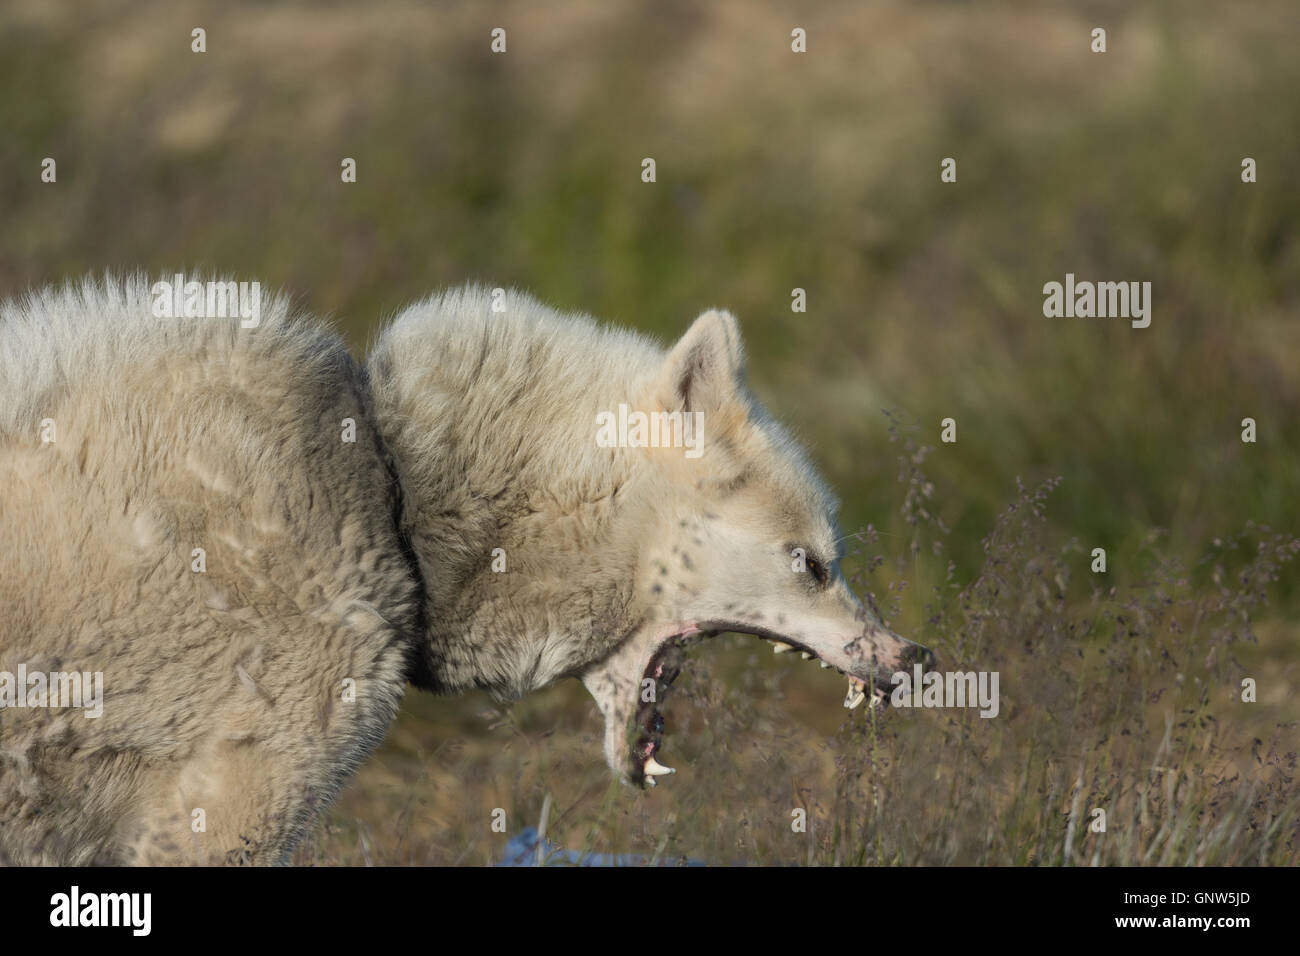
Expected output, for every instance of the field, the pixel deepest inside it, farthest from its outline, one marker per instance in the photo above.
(1121, 691)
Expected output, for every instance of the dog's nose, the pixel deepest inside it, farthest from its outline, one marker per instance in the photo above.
(920, 655)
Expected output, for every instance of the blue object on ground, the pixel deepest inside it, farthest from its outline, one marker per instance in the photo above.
(522, 849)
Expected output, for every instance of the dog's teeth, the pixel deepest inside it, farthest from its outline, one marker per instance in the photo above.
(855, 696)
(651, 782)
(780, 648)
(805, 655)
(653, 768)
(824, 665)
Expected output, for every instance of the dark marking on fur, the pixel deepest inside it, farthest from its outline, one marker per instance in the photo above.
(419, 666)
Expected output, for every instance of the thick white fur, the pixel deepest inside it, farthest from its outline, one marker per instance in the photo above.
(242, 696)
(223, 690)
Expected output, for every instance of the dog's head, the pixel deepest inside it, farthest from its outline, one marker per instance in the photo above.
(736, 533)
(583, 503)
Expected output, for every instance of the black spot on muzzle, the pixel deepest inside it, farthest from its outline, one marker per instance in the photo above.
(919, 655)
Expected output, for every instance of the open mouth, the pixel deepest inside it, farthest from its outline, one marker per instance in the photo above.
(666, 663)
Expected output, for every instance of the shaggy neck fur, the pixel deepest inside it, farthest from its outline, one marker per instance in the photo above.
(491, 421)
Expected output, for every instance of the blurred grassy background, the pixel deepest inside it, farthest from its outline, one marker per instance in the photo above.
(775, 171)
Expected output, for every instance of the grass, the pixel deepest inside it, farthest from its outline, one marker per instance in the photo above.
(778, 171)
(1124, 699)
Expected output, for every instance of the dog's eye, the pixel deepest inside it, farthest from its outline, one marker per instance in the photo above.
(818, 571)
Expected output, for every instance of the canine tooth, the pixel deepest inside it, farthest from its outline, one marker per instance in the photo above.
(779, 648)
(855, 696)
(805, 655)
(824, 665)
(653, 768)
(651, 782)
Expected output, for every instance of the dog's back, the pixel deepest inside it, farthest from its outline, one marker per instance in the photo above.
(185, 509)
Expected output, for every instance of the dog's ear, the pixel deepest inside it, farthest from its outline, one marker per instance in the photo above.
(704, 370)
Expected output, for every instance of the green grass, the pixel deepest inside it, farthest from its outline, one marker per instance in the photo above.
(778, 171)
(1122, 699)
